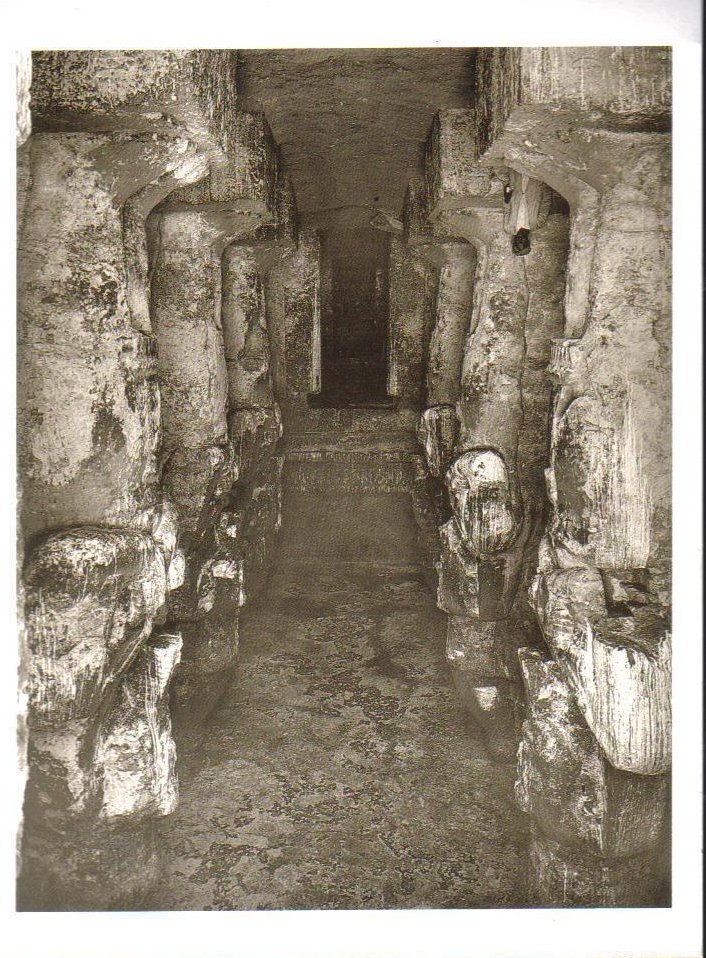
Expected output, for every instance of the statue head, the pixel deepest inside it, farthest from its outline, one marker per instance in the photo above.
(486, 513)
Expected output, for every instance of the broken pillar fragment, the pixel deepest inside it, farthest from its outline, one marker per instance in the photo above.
(609, 827)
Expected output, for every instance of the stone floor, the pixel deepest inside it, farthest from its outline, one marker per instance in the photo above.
(338, 771)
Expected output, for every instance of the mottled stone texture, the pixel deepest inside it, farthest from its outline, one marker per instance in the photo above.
(505, 392)
(491, 375)
(563, 875)
(609, 471)
(95, 787)
(210, 245)
(246, 178)
(566, 782)
(89, 412)
(138, 90)
(451, 166)
(247, 348)
(584, 122)
(293, 308)
(445, 303)
(454, 303)
(612, 638)
(496, 484)
(114, 133)
(186, 294)
(88, 397)
(413, 285)
(589, 122)
(169, 305)
(92, 595)
(338, 771)
(625, 85)
(438, 433)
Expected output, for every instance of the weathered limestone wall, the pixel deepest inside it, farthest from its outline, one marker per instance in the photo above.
(89, 420)
(255, 417)
(169, 309)
(108, 143)
(147, 416)
(496, 483)
(581, 304)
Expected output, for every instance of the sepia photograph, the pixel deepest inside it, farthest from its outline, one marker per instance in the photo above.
(344, 415)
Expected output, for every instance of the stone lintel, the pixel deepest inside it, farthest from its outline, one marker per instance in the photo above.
(191, 92)
(246, 180)
(453, 177)
(612, 87)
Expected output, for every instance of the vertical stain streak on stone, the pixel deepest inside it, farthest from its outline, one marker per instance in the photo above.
(135, 753)
(521, 379)
(23, 81)
(617, 692)
(625, 507)
(316, 342)
(617, 665)
(582, 246)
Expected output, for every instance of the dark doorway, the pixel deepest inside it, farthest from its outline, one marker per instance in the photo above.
(354, 318)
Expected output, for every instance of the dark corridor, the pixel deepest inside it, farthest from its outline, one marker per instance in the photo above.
(354, 318)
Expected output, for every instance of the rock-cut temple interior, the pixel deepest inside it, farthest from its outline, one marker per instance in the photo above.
(344, 478)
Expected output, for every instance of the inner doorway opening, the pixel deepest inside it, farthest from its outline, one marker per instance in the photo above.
(354, 318)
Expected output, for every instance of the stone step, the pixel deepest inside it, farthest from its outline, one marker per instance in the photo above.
(334, 471)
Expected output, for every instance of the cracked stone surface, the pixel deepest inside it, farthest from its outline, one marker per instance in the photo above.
(338, 770)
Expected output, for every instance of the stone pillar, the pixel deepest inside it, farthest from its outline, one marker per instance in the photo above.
(186, 298)
(90, 432)
(454, 303)
(89, 407)
(247, 348)
(438, 429)
(495, 481)
(602, 588)
(214, 372)
(114, 132)
(255, 421)
(413, 284)
(200, 466)
(294, 324)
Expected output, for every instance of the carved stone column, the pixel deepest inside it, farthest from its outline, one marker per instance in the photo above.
(207, 290)
(496, 481)
(89, 407)
(255, 420)
(293, 308)
(602, 589)
(438, 428)
(114, 132)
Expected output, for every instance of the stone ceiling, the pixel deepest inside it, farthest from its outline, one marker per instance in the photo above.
(352, 123)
